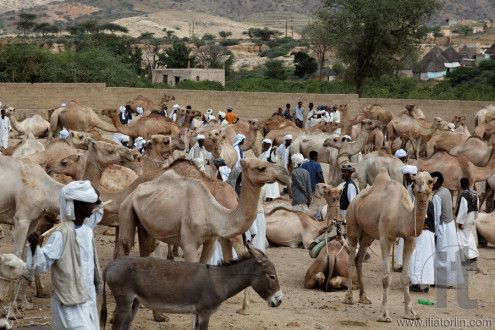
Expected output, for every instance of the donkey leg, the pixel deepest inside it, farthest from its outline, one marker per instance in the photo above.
(202, 321)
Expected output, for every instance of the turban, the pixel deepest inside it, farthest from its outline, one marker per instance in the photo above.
(238, 138)
(218, 161)
(209, 112)
(176, 106)
(451, 126)
(221, 114)
(121, 108)
(139, 142)
(64, 134)
(75, 191)
(297, 159)
(267, 141)
(200, 137)
(409, 169)
(401, 153)
(139, 110)
(211, 117)
(287, 137)
(124, 138)
(348, 138)
(348, 168)
(229, 108)
(62, 105)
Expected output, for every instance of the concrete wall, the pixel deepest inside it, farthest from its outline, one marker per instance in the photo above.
(37, 98)
(158, 75)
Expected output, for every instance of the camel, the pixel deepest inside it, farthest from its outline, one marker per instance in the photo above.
(35, 125)
(80, 140)
(145, 127)
(376, 112)
(75, 116)
(159, 149)
(200, 220)
(454, 168)
(290, 228)
(475, 149)
(12, 270)
(276, 122)
(484, 115)
(148, 104)
(369, 167)
(29, 146)
(277, 135)
(485, 226)
(485, 130)
(251, 129)
(414, 111)
(222, 148)
(331, 260)
(397, 217)
(417, 130)
(460, 125)
(354, 147)
(445, 141)
(54, 150)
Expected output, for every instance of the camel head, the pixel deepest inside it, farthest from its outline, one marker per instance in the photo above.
(80, 140)
(193, 113)
(335, 141)
(259, 172)
(166, 98)
(164, 145)
(457, 120)
(9, 111)
(108, 153)
(410, 107)
(255, 124)
(181, 112)
(423, 183)
(72, 165)
(329, 192)
(12, 267)
(332, 126)
(440, 124)
(111, 113)
(370, 124)
(216, 135)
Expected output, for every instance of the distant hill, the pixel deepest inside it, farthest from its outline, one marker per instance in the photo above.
(272, 13)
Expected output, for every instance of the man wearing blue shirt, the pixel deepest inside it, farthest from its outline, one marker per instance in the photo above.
(314, 169)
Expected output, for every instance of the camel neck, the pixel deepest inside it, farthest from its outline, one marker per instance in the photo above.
(92, 172)
(419, 211)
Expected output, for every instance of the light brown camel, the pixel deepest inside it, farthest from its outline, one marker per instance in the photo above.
(475, 149)
(371, 164)
(29, 146)
(252, 130)
(227, 130)
(354, 147)
(75, 116)
(484, 115)
(159, 149)
(445, 140)
(147, 104)
(397, 217)
(276, 122)
(485, 226)
(55, 149)
(200, 220)
(454, 168)
(460, 125)
(485, 130)
(414, 111)
(331, 260)
(145, 127)
(376, 112)
(221, 149)
(35, 125)
(287, 227)
(80, 140)
(277, 136)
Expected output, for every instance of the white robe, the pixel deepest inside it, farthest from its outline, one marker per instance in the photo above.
(465, 236)
(197, 152)
(308, 118)
(422, 265)
(448, 271)
(272, 190)
(82, 316)
(284, 152)
(5, 128)
(237, 149)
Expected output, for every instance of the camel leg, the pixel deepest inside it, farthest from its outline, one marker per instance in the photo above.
(19, 233)
(2, 235)
(364, 243)
(116, 251)
(409, 245)
(350, 267)
(385, 245)
(170, 252)
(208, 250)
(226, 245)
(190, 251)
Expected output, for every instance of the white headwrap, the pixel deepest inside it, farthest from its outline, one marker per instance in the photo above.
(287, 137)
(64, 133)
(139, 142)
(238, 138)
(221, 114)
(348, 137)
(62, 105)
(211, 117)
(400, 153)
(124, 138)
(122, 108)
(297, 159)
(209, 112)
(139, 110)
(75, 191)
(451, 126)
(200, 137)
(267, 141)
(175, 107)
(409, 169)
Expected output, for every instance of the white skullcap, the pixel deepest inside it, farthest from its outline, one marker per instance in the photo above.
(348, 137)
(121, 108)
(238, 138)
(139, 110)
(64, 133)
(409, 169)
(200, 137)
(176, 106)
(209, 111)
(221, 114)
(76, 190)
(297, 159)
(288, 137)
(267, 141)
(400, 153)
(451, 126)
(139, 142)
(124, 138)
(62, 105)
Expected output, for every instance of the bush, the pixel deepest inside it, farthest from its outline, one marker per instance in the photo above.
(274, 69)
(229, 42)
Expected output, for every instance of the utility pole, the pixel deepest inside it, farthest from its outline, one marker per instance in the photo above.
(286, 27)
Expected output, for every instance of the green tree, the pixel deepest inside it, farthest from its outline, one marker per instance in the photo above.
(465, 30)
(20, 63)
(274, 69)
(318, 40)
(208, 36)
(305, 64)
(224, 34)
(26, 22)
(45, 28)
(112, 27)
(176, 57)
(373, 37)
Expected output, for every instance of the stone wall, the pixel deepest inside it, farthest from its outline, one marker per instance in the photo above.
(37, 98)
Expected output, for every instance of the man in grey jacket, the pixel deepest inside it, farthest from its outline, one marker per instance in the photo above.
(301, 185)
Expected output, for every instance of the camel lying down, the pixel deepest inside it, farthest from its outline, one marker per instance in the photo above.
(329, 271)
(193, 287)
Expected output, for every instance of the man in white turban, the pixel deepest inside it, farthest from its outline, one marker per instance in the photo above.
(70, 253)
(64, 133)
(123, 115)
(173, 113)
(284, 152)
(139, 144)
(402, 155)
(221, 119)
(239, 141)
(5, 128)
(269, 154)
(300, 184)
(198, 154)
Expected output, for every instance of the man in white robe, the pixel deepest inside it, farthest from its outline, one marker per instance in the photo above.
(448, 271)
(221, 119)
(269, 154)
(239, 141)
(284, 152)
(5, 128)
(466, 213)
(71, 255)
(198, 154)
(173, 113)
(223, 169)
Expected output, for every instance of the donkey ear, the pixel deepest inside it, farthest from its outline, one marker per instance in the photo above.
(260, 257)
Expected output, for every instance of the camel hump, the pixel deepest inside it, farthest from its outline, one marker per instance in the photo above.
(384, 152)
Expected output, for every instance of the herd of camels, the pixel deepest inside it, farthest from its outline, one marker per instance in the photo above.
(146, 189)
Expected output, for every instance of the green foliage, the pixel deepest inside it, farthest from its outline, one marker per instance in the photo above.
(305, 64)
(26, 22)
(372, 37)
(229, 42)
(22, 63)
(176, 57)
(264, 34)
(274, 52)
(338, 68)
(224, 34)
(464, 30)
(319, 41)
(45, 28)
(274, 69)
(280, 47)
(200, 85)
(112, 27)
(208, 36)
